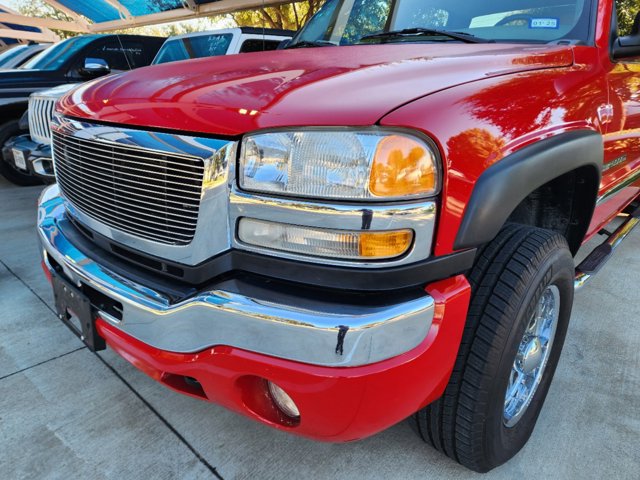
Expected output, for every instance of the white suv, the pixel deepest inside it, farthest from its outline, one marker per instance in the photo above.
(220, 42)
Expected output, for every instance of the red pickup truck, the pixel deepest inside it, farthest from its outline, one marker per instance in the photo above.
(378, 221)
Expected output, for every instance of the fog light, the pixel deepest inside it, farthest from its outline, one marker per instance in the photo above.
(323, 242)
(283, 401)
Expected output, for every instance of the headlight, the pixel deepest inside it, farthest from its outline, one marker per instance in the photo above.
(340, 164)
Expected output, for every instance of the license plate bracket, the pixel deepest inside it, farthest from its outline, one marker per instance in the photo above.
(72, 302)
(18, 159)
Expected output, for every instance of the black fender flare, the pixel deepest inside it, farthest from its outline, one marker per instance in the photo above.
(505, 184)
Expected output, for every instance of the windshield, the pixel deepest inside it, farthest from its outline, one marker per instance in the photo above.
(193, 47)
(346, 22)
(12, 53)
(55, 56)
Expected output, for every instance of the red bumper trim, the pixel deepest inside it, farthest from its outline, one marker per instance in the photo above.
(336, 404)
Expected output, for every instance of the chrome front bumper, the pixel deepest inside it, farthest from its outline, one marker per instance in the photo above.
(38, 156)
(320, 333)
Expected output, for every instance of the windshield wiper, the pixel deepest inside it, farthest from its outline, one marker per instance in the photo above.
(426, 32)
(309, 44)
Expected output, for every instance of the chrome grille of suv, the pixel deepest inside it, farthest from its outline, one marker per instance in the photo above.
(149, 194)
(40, 114)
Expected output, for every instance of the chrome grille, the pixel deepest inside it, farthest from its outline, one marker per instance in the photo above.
(40, 115)
(149, 194)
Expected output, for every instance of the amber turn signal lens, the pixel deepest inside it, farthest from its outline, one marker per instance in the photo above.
(323, 242)
(402, 166)
(385, 244)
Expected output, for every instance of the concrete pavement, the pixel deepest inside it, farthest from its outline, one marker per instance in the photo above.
(68, 413)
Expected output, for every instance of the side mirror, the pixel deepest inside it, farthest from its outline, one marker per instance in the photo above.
(625, 47)
(94, 67)
(629, 45)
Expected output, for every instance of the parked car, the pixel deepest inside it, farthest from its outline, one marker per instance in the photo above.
(377, 223)
(74, 60)
(19, 54)
(30, 153)
(220, 42)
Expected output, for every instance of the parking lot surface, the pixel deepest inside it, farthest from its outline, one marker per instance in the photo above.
(68, 413)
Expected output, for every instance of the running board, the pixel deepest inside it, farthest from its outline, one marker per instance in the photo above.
(602, 253)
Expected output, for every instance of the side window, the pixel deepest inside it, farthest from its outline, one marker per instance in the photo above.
(627, 11)
(120, 56)
(258, 45)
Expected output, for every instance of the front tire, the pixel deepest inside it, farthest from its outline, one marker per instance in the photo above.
(522, 295)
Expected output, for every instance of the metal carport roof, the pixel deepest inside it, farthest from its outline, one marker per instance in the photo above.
(95, 16)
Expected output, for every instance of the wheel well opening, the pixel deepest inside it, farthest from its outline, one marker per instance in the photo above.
(564, 205)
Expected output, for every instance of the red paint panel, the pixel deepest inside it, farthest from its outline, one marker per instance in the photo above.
(336, 404)
(349, 86)
(479, 123)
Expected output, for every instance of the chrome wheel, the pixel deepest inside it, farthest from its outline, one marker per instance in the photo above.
(532, 356)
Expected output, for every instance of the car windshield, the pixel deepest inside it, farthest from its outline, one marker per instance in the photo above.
(55, 56)
(11, 53)
(193, 47)
(346, 22)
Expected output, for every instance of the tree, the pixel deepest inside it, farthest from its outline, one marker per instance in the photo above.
(627, 11)
(290, 16)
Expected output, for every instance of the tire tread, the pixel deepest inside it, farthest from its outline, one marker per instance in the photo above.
(496, 279)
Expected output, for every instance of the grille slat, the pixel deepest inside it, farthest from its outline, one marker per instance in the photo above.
(176, 205)
(40, 114)
(180, 205)
(134, 225)
(133, 189)
(127, 152)
(131, 227)
(97, 203)
(149, 194)
(131, 177)
(131, 167)
(88, 189)
(42, 121)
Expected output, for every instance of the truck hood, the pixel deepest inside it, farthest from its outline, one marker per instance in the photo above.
(353, 86)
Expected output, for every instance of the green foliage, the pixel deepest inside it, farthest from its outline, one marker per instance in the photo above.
(366, 17)
(627, 11)
(290, 16)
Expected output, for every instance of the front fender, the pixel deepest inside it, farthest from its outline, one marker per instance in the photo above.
(504, 185)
